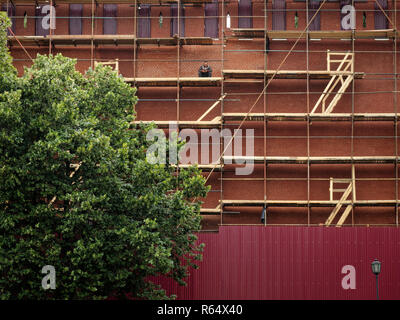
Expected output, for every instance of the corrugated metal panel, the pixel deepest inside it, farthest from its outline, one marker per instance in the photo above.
(249, 262)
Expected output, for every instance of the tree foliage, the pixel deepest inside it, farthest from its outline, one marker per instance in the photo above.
(77, 193)
(8, 73)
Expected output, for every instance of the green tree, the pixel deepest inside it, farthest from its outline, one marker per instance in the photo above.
(8, 73)
(76, 190)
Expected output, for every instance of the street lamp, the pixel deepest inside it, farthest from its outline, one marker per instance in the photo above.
(376, 270)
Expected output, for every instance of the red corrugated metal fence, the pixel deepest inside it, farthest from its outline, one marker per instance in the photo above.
(250, 262)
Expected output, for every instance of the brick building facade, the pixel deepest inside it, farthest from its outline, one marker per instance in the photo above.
(321, 97)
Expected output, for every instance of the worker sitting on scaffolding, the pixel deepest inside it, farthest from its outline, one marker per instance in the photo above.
(205, 70)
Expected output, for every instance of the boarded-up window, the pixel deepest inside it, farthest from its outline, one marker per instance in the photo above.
(110, 19)
(10, 9)
(144, 25)
(211, 19)
(39, 30)
(313, 6)
(278, 15)
(245, 14)
(174, 20)
(343, 15)
(75, 18)
(381, 22)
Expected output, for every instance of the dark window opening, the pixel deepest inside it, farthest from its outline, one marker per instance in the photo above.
(211, 27)
(42, 29)
(144, 22)
(245, 14)
(110, 19)
(331, 1)
(313, 6)
(279, 15)
(174, 21)
(10, 9)
(381, 22)
(75, 18)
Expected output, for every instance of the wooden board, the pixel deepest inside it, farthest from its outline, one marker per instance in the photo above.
(209, 211)
(116, 40)
(211, 108)
(286, 74)
(344, 216)
(305, 203)
(312, 117)
(173, 82)
(323, 34)
(183, 124)
(204, 167)
(311, 160)
(339, 204)
(113, 1)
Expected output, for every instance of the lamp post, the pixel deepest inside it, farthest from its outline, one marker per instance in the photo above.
(376, 270)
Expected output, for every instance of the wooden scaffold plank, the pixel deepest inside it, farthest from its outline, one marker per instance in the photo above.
(320, 34)
(174, 81)
(312, 117)
(311, 160)
(215, 123)
(305, 203)
(155, 2)
(286, 74)
(114, 40)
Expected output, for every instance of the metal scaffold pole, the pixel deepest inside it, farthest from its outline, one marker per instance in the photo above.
(308, 112)
(265, 120)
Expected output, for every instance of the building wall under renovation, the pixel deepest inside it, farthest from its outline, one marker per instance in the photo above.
(372, 94)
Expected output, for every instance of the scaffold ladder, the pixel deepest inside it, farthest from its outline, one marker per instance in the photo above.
(343, 76)
(346, 192)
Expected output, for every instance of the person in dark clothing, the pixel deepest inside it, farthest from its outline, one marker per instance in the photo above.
(205, 70)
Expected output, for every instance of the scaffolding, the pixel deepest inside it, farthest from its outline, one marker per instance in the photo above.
(319, 105)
